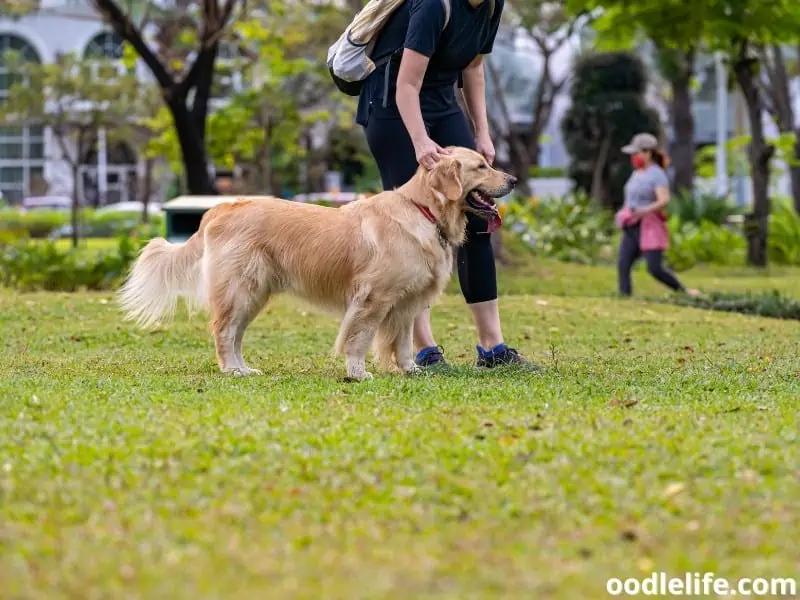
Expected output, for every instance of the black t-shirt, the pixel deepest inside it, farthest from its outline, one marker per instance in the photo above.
(419, 25)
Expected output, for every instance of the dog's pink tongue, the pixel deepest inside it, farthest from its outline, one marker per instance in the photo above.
(495, 223)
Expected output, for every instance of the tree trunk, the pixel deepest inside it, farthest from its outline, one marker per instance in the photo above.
(794, 174)
(760, 153)
(782, 109)
(75, 208)
(683, 124)
(147, 189)
(193, 151)
(599, 191)
(517, 151)
(520, 163)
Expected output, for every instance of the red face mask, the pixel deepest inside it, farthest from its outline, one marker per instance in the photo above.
(637, 160)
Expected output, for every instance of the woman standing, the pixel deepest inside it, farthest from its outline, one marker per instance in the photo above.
(410, 114)
(642, 218)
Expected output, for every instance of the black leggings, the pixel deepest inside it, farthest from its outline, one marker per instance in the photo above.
(629, 251)
(391, 146)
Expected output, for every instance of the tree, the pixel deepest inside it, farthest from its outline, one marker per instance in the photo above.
(608, 108)
(676, 29)
(550, 28)
(17, 8)
(262, 127)
(778, 98)
(74, 98)
(739, 28)
(183, 63)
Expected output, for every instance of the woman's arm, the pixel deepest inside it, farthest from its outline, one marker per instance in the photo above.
(475, 95)
(662, 199)
(475, 99)
(409, 83)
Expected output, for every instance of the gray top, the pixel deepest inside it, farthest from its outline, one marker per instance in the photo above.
(640, 190)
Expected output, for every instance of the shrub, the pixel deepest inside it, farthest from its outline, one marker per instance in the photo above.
(39, 224)
(121, 223)
(783, 243)
(35, 223)
(571, 229)
(762, 304)
(704, 243)
(43, 266)
(696, 207)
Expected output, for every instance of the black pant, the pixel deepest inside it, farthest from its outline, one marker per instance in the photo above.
(391, 146)
(629, 252)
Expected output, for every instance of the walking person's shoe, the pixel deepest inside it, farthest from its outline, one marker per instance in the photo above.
(431, 358)
(504, 356)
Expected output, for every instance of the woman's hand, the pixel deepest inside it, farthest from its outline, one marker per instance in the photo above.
(428, 152)
(484, 145)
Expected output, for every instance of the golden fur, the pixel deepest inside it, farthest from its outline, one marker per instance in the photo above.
(377, 261)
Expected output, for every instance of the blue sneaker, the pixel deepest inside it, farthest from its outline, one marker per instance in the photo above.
(432, 356)
(503, 356)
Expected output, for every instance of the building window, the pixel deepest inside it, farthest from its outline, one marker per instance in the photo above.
(21, 147)
(106, 45)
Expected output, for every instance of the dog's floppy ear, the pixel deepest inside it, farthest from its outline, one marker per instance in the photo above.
(445, 179)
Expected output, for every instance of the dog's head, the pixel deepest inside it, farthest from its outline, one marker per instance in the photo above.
(466, 179)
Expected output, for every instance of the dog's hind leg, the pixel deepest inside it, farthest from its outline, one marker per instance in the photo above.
(241, 326)
(237, 296)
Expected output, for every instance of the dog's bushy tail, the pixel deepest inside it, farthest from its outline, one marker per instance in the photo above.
(162, 273)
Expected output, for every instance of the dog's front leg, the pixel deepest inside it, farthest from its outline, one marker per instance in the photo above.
(356, 347)
(356, 334)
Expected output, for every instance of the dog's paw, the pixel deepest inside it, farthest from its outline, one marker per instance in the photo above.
(412, 369)
(355, 378)
(241, 371)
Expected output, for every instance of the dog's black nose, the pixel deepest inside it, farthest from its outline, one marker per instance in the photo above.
(512, 181)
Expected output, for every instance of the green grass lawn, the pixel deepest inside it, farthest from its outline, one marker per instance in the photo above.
(659, 439)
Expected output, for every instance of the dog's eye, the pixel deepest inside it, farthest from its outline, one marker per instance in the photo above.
(483, 166)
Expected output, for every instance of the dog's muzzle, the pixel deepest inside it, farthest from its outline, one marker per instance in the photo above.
(484, 205)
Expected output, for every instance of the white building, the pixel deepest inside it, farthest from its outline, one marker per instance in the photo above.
(30, 160)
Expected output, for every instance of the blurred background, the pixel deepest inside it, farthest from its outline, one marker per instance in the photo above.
(110, 108)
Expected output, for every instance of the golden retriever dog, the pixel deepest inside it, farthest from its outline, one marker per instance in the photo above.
(378, 261)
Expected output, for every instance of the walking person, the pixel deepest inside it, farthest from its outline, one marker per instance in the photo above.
(410, 115)
(642, 217)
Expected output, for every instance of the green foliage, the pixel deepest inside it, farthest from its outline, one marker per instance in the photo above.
(114, 224)
(544, 172)
(762, 304)
(572, 229)
(696, 207)
(735, 153)
(607, 109)
(75, 97)
(263, 126)
(783, 243)
(693, 243)
(43, 266)
(34, 223)
(38, 224)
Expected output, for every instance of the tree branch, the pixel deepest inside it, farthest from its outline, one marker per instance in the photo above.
(214, 27)
(124, 28)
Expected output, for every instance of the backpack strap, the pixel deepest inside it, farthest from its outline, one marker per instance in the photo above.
(447, 10)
